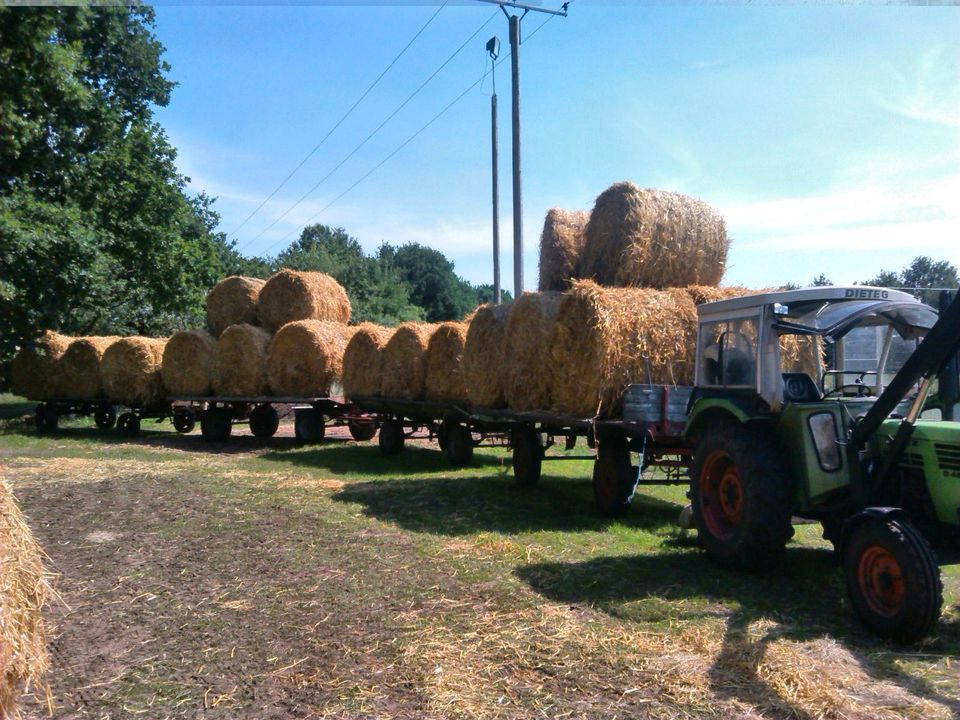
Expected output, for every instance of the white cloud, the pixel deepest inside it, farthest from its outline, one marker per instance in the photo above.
(929, 92)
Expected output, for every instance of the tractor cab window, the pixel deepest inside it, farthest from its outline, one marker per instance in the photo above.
(729, 357)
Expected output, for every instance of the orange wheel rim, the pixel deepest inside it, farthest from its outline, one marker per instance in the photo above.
(881, 581)
(721, 495)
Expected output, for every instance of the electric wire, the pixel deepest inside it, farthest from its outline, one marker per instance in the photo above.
(341, 120)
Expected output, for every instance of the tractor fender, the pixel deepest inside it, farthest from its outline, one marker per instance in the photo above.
(707, 412)
(869, 513)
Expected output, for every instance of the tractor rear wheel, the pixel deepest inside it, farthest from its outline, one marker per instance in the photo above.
(741, 491)
(893, 579)
(614, 478)
(527, 456)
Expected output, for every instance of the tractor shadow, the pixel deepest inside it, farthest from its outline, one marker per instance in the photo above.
(804, 596)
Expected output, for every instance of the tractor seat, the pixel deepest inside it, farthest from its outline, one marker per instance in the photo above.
(799, 388)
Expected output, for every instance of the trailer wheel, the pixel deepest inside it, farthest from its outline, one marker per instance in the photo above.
(742, 493)
(571, 442)
(264, 421)
(459, 449)
(391, 438)
(614, 478)
(527, 456)
(362, 430)
(128, 424)
(105, 416)
(893, 579)
(309, 425)
(216, 424)
(46, 419)
(184, 421)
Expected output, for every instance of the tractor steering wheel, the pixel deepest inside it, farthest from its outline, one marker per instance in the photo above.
(860, 389)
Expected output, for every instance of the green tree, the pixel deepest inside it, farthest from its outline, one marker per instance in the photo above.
(923, 277)
(822, 281)
(434, 285)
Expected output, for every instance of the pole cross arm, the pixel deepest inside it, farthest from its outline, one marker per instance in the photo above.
(527, 8)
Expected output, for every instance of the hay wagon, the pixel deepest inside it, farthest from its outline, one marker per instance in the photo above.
(312, 416)
(107, 414)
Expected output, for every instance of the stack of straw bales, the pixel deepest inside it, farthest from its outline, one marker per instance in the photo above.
(35, 372)
(233, 300)
(305, 358)
(404, 361)
(525, 352)
(130, 369)
(444, 363)
(24, 590)
(78, 369)
(482, 368)
(561, 244)
(188, 363)
(240, 362)
(363, 360)
(290, 295)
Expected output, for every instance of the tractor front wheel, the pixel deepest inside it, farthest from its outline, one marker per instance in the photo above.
(741, 492)
(893, 579)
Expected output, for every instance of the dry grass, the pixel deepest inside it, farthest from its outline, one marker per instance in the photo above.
(444, 363)
(232, 301)
(34, 371)
(525, 352)
(305, 358)
(188, 363)
(404, 361)
(607, 338)
(653, 238)
(240, 362)
(290, 295)
(131, 370)
(482, 370)
(561, 244)
(79, 367)
(363, 360)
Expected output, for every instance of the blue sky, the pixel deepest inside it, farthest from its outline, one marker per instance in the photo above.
(828, 136)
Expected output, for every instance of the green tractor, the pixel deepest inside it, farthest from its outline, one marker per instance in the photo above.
(835, 405)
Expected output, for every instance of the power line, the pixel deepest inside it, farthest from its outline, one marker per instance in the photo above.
(375, 131)
(340, 121)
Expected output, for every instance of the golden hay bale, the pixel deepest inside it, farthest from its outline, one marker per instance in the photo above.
(482, 369)
(24, 590)
(231, 301)
(404, 366)
(701, 294)
(305, 358)
(561, 244)
(607, 338)
(290, 295)
(240, 362)
(525, 353)
(130, 370)
(444, 362)
(79, 367)
(363, 360)
(653, 238)
(188, 363)
(34, 369)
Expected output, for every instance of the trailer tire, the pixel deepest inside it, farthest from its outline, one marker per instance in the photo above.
(105, 416)
(264, 421)
(184, 421)
(742, 493)
(128, 424)
(216, 424)
(459, 450)
(391, 438)
(614, 477)
(309, 425)
(527, 456)
(893, 579)
(362, 430)
(46, 419)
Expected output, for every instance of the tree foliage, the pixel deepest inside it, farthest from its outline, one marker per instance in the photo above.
(923, 277)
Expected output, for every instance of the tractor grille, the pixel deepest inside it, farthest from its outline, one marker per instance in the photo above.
(948, 456)
(911, 460)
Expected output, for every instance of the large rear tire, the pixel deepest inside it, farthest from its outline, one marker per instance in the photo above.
(893, 579)
(741, 491)
(614, 478)
(527, 456)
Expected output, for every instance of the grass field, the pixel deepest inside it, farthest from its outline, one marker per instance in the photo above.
(267, 580)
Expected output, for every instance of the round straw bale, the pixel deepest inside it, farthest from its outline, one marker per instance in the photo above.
(24, 590)
(607, 338)
(79, 367)
(444, 360)
(188, 363)
(363, 360)
(561, 244)
(231, 301)
(653, 238)
(305, 358)
(525, 353)
(482, 368)
(240, 362)
(130, 370)
(404, 366)
(290, 295)
(701, 294)
(34, 370)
